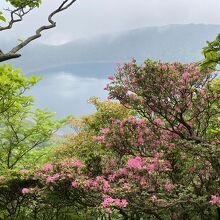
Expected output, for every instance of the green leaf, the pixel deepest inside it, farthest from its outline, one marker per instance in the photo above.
(20, 40)
(2, 18)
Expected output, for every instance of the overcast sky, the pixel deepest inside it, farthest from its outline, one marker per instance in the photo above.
(88, 18)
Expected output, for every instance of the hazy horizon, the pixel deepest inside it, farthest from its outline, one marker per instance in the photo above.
(88, 18)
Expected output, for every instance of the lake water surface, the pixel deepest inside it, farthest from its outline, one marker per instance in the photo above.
(66, 93)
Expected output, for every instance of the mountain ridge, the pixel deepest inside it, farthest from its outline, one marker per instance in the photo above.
(175, 42)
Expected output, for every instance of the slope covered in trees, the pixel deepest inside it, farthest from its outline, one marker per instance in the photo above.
(97, 56)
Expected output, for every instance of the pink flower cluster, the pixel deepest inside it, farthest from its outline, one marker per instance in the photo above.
(99, 138)
(29, 190)
(48, 167)
(215, 200)
(108, 201)
(25, 190)
(156, 164)
(153, 198)
(158, 121)
(186, 76)
(105, 130)
(168, 186)
(52, 178)
(74, 184)
(76, 163)
(135, 163)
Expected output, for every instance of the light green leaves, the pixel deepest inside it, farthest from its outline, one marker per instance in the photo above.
(22, 129)
(24, 3)
(212, 54)
(2, 18)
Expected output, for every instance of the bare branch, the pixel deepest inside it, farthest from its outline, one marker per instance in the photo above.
(19, 13)
(13, 53)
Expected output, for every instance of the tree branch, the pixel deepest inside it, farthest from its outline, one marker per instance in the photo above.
(8, 56)
(20, 13)
(13, 52)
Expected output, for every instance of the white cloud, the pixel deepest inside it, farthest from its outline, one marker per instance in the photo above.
(87, 18)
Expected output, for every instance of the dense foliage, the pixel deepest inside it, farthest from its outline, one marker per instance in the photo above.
(81, 144)
(154, 155)
(212, 54)
(24, 133)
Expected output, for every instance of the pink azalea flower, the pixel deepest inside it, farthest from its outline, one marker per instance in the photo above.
(123, 171)
(25, 190)
(88, 183)
(135, 163)
(74, 184)
(48, 167)
(124, 203)
(158, 121)
(99, 178)
(151, 168)
(110, 77)
(112, 162)
(77, 163)
(99, 138)
(56, 176)
(168, 186)
(106, 186)
(117, 202)
(109, 97)
(112, 177)
(214, 200)
(154, 198)
(140, 140)
(49, 179)
(105, 130)
(107, 86)
(108, 201)
(186, 76)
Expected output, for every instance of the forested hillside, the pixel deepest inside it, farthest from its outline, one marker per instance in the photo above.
(95, 56)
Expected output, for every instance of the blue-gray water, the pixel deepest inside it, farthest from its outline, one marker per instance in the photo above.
(66, 93)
